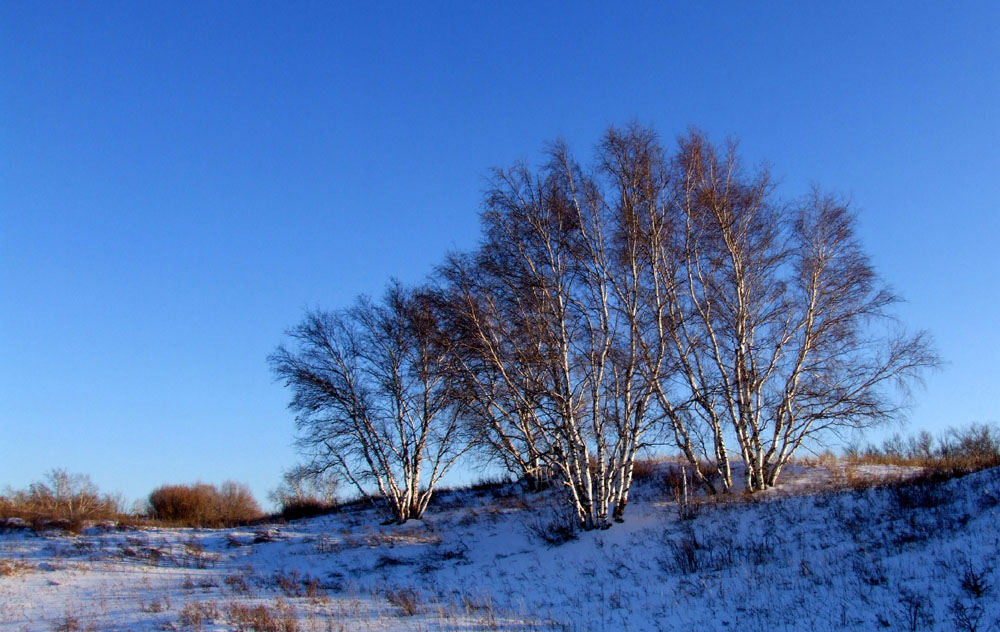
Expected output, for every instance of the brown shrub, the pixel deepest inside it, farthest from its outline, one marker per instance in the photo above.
(304, 493)
(310, 507)
(63, 498)
(195, 504)
(237, 504)
(239, 583)
(204, 505)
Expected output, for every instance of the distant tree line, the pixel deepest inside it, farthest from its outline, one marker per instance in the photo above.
(651, 297)
(69, 501)
(976, 446)
(61, 496)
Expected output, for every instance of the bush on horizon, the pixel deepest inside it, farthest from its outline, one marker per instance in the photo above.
(965, 449)
(64, 498)
(204, 505)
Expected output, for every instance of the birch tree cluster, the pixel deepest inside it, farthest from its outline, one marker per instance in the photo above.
(652, 298)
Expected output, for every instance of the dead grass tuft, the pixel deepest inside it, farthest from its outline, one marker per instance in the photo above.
(239, 583)
(295, 584)
(261, 618)
(406, 599)
(196, 614)
(160, 604)
(9, 568)
(72, 623)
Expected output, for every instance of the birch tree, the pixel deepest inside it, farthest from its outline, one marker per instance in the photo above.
(784, 329)
(680, 289)
(532, 247)
(551, 326)
(498, 364)
(372, 397)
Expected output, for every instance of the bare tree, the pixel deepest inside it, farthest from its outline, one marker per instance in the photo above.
(72, 496)
(499, 367)
(550, 327)
(654, 292)
(372, 400)
(300, 486)
(679, 289)
(531, 262)
(782, 326)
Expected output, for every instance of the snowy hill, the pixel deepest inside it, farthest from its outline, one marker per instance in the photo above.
(899, 557)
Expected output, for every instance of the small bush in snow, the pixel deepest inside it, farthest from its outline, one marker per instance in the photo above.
(915, 610)
(238, 583)
(196, 614)
(683, 557)
(295, 584)
(260, 618)
(305, 494)
(975, 583)
(551, 529)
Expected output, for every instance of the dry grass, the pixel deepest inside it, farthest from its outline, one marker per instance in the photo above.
(406, 599)
(70, 622)
(158, 604)
(400, 536)
(239, 583)
(10, 568)
(294, 584)
(196, 614)
(261, 618)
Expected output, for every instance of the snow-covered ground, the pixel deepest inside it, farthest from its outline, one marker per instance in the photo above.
(798, 558)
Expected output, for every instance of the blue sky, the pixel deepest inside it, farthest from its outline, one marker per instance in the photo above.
(178, 181)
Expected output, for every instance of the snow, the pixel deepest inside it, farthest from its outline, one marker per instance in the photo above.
(801, 557)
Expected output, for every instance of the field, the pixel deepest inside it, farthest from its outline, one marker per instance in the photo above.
(834, 548)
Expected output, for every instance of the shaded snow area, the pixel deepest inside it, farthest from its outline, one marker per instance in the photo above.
(921, 557)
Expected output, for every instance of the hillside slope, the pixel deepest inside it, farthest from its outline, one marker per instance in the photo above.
(910, 557)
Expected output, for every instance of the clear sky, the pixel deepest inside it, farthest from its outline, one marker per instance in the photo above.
(178, 181)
